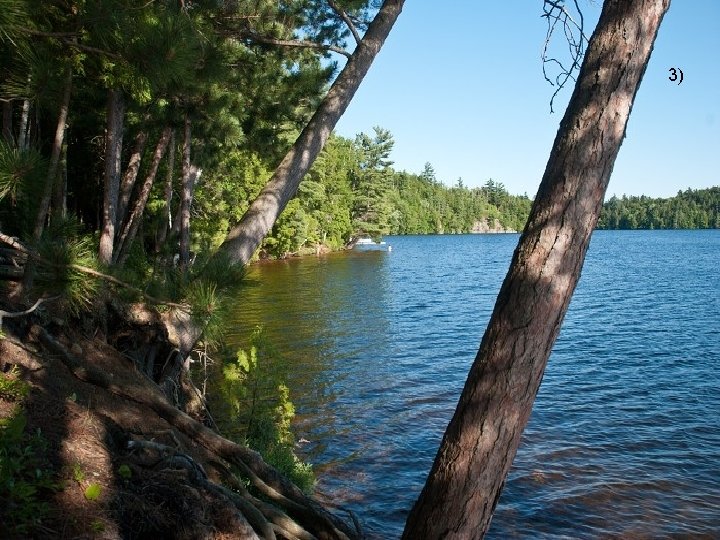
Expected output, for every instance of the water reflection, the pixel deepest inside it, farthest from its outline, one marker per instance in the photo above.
(624, 439)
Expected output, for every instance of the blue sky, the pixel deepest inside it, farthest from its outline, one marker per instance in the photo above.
(459, 84)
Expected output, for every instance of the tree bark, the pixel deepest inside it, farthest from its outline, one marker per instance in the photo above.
(54, 156)
(166, 219)
(23, 132)
(44, 204)
(128, 180)
(185, 198)
(59, 196)
(130, 229)
(113, 154)
(243, 239)
(188, 178)
(482, 438)
(7, 114)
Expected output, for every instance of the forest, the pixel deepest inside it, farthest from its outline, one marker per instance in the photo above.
(196, 127)
(185, 138)
(689, 209)
(148, 149)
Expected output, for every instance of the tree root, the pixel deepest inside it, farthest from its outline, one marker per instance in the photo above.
(252, 519)
(289, 514)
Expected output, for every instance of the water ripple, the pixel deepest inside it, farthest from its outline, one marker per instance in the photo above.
(624, 439)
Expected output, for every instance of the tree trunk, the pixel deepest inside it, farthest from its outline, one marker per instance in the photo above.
(59, 196)
(188, 177)
(480, 442)
(166, 219)
(130, 229)
(22, 134)
(7, 114)
(244, 238)
(44, 205)
(176, 223)
(128, 179)
(113, 154)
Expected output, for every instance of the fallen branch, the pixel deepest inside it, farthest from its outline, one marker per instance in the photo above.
(37, 304)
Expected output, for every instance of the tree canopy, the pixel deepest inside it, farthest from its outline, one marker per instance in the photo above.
(244, 77)
(689, 209)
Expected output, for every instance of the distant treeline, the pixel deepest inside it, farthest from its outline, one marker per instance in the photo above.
(353, 190)
(690, 209)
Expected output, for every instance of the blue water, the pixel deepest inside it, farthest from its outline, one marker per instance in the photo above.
(624, 439)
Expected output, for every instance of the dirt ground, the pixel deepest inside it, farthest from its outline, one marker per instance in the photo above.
(87, 429)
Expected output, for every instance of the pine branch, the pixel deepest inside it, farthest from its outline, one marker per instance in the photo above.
(40, 33)
(16, 244)
(293, 43)
(70, 38)
(346, 19)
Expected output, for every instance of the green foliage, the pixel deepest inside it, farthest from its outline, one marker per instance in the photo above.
(13, 16)
(219, 270)
(371, 183)
(62, 246)
(254, 389)
(290, 233)
(25, 473)
(208, 290)
(93, 492)
(690, 209)
(352, 190)
(225, 194)
(77, 473)
(124, 472)
(246, 100)
(22, 174)
(209, 309)
(12, 388)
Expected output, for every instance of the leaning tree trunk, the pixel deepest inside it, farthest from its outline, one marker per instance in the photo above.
(132, 223)
(44, 204)
(480, 442)
(54, 157)
(128, 181)
(113, 154)
(58, 208)
(188, 179)
(166, 219)
(244, 238)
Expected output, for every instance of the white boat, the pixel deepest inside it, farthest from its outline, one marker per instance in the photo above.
(368, 244)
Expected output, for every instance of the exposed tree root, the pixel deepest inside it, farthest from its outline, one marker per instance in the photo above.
(286, 511)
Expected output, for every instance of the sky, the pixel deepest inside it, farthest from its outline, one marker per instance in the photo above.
(459, 84)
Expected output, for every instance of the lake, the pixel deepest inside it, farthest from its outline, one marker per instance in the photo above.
(624, 439)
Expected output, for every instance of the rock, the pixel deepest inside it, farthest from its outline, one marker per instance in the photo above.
(483, 227)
